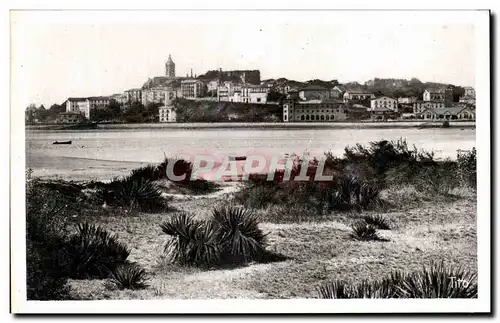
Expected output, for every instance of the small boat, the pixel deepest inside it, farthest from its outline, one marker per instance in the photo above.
(62, 142)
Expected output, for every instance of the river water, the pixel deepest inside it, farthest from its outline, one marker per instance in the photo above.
(103, 149)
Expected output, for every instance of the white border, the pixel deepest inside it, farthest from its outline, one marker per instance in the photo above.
(482, 304)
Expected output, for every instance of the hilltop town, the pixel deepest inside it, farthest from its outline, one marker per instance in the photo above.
(241, 95)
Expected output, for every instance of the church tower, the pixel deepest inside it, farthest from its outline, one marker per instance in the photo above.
(170, 67)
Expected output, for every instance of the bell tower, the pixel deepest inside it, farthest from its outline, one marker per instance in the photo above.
(170, 67)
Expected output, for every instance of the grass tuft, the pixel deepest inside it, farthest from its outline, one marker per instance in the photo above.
(363, 231)
(435, 281)
(130, 276)
(377, 221)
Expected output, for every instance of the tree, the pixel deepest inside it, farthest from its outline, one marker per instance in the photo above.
(114, 108)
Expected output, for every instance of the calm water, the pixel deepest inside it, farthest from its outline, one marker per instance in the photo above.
(150, 145)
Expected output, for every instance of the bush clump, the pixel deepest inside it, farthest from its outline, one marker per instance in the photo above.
(193, 242)
(377, 221)
(93, 252)
(46, 219)
(363, 231)
(129, 275)
(435, 281)
(135, 193)
(230, 237)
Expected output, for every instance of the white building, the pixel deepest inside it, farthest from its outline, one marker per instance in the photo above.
(314, 111)
(434, 95)
(80, 105)
(384, 102)
(167, 114)
(253, 94)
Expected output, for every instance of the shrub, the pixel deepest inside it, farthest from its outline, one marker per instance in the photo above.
(231, 236)
(377, 221)
(193, 242)
(46, 215)
(363, 231)
(435, 281)
(94, 252)
(129, 275)
(149, 172)
(467, 164)
(134, 193)
(238, 234)
(440, 281)
(46, 276)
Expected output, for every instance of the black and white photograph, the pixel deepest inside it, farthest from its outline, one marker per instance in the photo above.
(250, 161)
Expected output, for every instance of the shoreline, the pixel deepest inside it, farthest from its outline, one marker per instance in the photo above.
(263, 125)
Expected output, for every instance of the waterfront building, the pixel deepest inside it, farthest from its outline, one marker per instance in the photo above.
(153, 95)
(70, 117)
(98, 102)
(314, 111)
(80, 105)
(384, 102)
(459, 112)
(420, 106)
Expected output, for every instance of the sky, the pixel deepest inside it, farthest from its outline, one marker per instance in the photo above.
(72, 54)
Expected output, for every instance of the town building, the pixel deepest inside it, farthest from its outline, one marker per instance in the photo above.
(228, 91)
(70, 117)
(253, 94)
(459, 112)
(382, 113)
(469, 91)
(407, 100)
(313, 111)
(133, 95)
(121, 98)
(469, 96)
(336, 92)
(153, 95)
(434, 95)
(167, 112)
(98, 102)
(420, 106)
(170, 67)
(357, 95)
(192, 88)
(357, 112)
(80, 105)
(212, 86)
(384, 102)
(314, 92)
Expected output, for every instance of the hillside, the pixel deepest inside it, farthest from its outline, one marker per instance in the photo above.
(210, 111)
